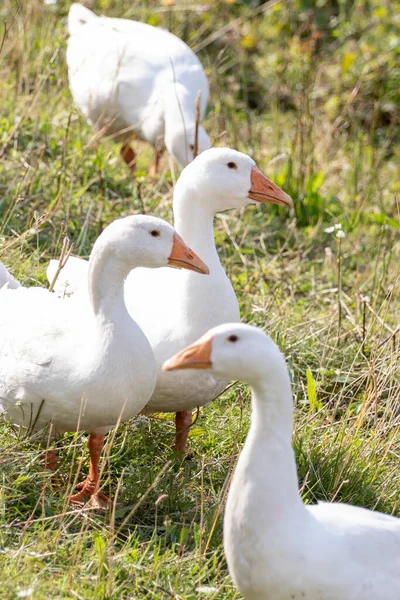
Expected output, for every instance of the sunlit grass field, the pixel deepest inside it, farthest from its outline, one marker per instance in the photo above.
(310, 90)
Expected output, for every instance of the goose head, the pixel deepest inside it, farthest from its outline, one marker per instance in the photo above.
(224, 179)
(180, 143)
(146, 241)
(231, 351)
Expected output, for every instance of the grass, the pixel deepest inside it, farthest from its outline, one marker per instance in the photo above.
(310, 91)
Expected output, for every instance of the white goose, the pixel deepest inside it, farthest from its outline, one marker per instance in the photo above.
(174, 311)
(276, 547)
(131, 79)
(85, 369)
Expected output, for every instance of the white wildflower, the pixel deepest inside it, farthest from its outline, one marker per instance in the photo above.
(206, 589)
(336, 227)
(25, 593)
(340, 234)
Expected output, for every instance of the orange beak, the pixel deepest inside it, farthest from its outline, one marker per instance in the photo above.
(264, 190)
(184, 258)
(196, 356)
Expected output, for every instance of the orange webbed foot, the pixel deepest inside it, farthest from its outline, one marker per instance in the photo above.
(89, 493)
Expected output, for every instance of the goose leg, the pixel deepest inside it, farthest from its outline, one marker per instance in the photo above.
(50, 459)
(183, 422)
(129, 155)
(90, 487)
(153, 171)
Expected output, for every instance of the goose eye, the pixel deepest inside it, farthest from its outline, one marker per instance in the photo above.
(155, 233)
(232, 165)
(233, 338)
(191, 146)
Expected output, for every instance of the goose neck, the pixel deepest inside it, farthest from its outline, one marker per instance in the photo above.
(272, 407)
(179, 106)
(106, 285)
(268, 459)
(194, 221)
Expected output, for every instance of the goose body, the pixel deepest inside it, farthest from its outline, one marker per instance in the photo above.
(130, 79)
(276, 547)
(86, 367)
(181, 319)
(88, 374)
(174, 311)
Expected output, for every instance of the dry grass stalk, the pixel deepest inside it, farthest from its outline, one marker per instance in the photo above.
(197, 123)
(65, 254)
